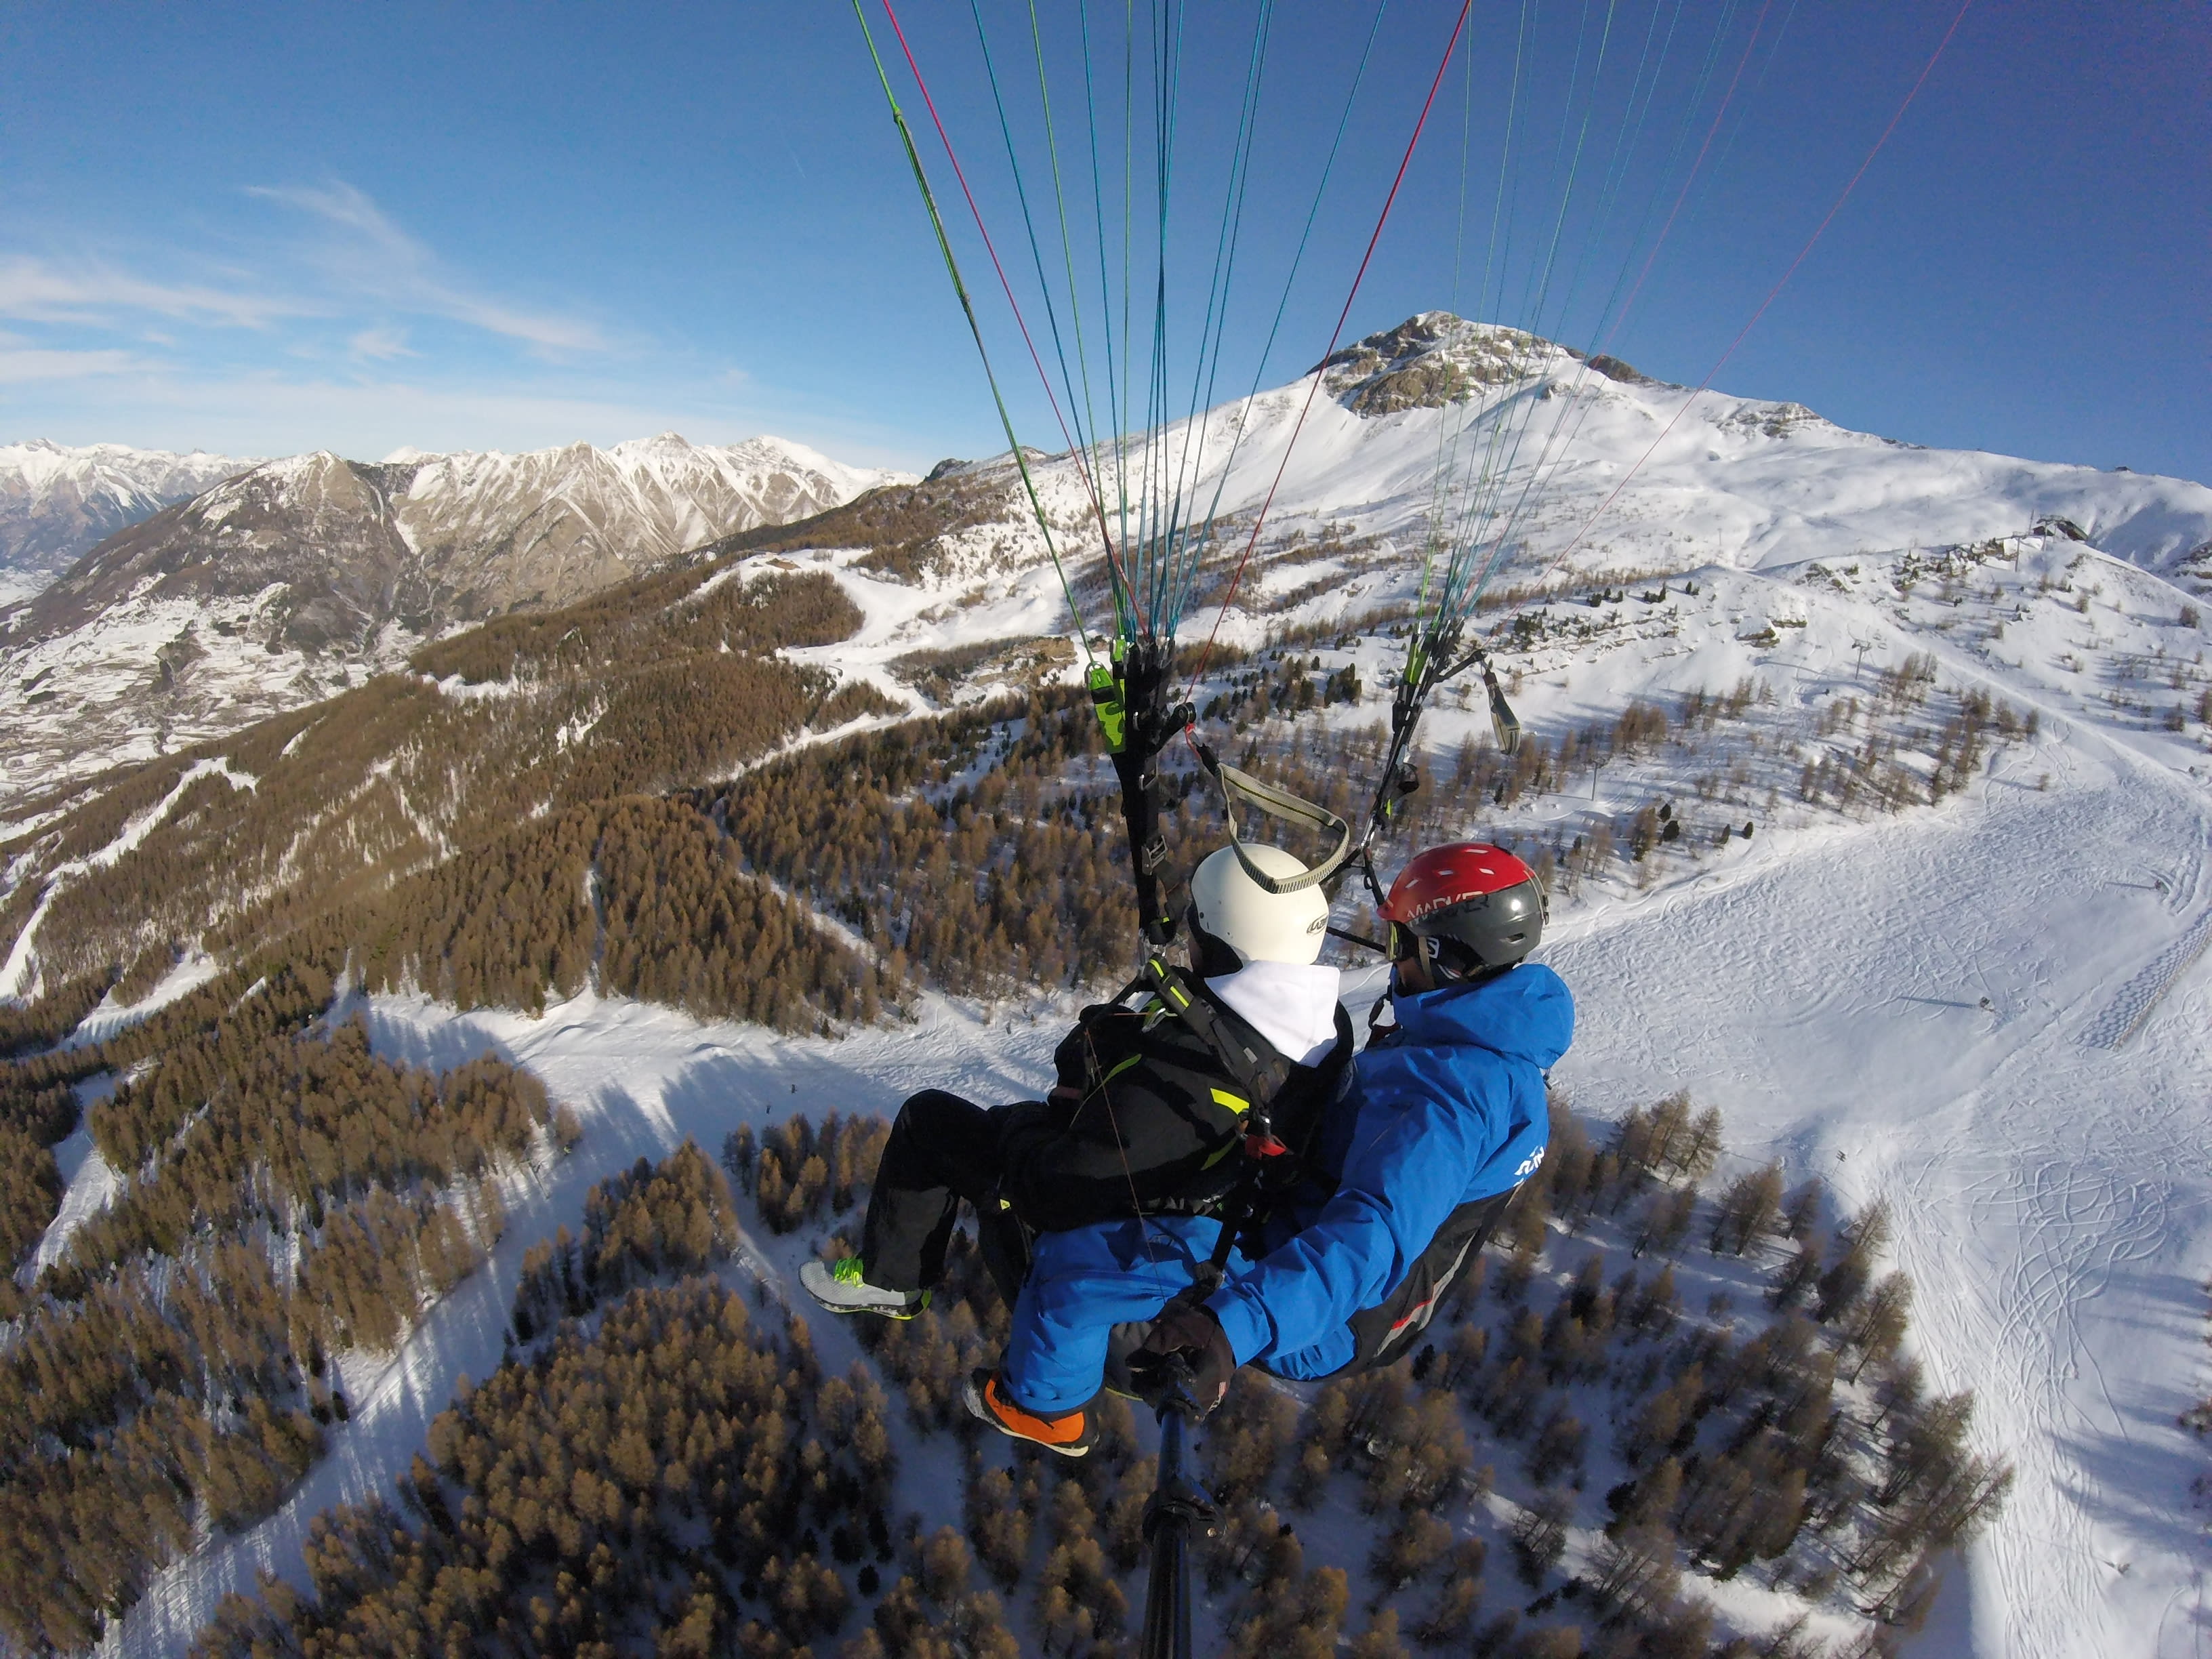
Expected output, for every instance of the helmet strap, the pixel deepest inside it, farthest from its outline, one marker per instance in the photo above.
(1210, 954)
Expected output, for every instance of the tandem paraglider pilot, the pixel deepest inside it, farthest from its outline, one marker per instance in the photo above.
(1320, 1245)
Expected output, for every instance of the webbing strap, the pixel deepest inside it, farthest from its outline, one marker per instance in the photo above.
(1421, 676)
(1238, 785)
(1129, 697)
(1261, 1072)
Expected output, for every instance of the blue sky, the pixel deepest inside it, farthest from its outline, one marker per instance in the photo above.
(264, 229)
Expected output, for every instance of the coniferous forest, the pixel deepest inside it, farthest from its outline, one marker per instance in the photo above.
(290, 1195)
(659, 1465)
(1657, 1380)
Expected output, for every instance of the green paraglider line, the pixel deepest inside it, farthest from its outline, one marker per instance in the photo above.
(1244, 421)
(1305, 409)
(945, 245)
(967, 310)
(1079, 444)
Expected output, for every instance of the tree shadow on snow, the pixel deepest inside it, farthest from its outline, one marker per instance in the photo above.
(2138, 1470)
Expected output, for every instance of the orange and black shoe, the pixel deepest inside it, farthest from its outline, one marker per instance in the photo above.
(1069, 1433)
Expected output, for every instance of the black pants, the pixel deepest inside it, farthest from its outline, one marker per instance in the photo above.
(942, 1149)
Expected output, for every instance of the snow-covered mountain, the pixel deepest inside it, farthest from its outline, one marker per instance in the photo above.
(56, 500)
(1988, 1010)
(429, 539)
(298, 577)
(1701, 477)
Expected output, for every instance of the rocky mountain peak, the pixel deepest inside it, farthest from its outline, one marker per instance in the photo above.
(1433, 359)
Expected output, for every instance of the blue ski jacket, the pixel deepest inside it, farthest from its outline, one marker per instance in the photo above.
(1447, 1108)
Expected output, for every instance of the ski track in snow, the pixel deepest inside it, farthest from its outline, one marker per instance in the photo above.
(2140, 996)
(2052, 1200)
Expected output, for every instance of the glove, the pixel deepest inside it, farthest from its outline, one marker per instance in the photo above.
(1195, 1334)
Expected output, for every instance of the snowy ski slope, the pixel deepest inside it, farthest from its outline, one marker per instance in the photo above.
(2047, 1156)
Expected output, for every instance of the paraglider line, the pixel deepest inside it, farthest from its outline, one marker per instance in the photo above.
(1306, 408)
(1698, 166)
(1772, 294)
(1075, 449)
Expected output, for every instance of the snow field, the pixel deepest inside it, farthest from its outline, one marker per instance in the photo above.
(2053, 1196)
(1823, 984)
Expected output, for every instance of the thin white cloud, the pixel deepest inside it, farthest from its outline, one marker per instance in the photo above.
(37, 290)
(280, 415)
(380, 344)
(373, 256)
(20, 364)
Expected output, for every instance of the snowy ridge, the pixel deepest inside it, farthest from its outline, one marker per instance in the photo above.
(662, 495)
(58, 499)
(1731, 481)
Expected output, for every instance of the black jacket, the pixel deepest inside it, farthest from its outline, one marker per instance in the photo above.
(1145, 1118)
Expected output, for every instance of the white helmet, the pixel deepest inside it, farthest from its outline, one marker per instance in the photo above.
(1258, 925)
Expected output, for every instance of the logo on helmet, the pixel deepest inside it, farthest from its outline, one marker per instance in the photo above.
(1446, 902)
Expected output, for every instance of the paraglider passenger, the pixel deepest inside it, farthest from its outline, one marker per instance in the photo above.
(1406, 1174)
(1144, 1120)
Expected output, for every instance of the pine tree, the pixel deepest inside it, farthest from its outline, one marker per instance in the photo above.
(1539, 1534)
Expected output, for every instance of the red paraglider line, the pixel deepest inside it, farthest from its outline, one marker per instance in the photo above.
(1719, 115)
(1450, 47)
(1582, 534)
(1074, 450)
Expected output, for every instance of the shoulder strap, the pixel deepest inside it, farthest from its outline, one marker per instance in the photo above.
(1260, 1070)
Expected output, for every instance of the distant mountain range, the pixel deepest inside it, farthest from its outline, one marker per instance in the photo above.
(56, 501)
(296, 578)
(427, 540)
(290, 578)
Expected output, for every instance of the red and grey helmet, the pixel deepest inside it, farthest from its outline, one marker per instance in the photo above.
(1476, 907)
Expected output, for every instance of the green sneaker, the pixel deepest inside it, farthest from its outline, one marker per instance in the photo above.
(843, 1288)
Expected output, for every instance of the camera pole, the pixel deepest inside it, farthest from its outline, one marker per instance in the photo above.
(1177, 1504)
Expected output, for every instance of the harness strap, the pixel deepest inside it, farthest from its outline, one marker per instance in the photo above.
(1237, 785)
(1260, 1072)
(1129, 697)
